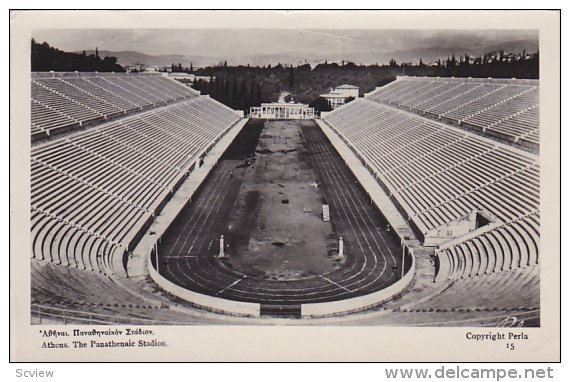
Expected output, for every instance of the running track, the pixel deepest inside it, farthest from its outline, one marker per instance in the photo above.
(187, 252)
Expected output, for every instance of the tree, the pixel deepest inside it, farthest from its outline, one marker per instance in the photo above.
(320, 104)
(291, 78)
(259, 96)
(45, 58)
(452, 62)
(243, 96)
(234, 93)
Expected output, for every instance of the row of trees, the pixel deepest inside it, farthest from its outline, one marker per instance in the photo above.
(305, 84)
(179, 68)
(46, 58)
(234, 91)
(494, 64)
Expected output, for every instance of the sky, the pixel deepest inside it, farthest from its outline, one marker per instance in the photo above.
(219, 42)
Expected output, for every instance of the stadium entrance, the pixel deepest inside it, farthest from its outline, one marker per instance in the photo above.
(282, 110)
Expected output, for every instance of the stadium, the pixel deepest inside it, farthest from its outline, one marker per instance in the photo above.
(415, 205)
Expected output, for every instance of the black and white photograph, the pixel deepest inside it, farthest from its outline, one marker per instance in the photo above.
(284, 175)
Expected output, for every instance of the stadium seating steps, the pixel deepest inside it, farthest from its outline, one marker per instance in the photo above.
(436, 173)
(505, 109)
(62, 102)
(94, 191)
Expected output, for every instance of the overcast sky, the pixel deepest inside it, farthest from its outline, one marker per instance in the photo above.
(219, 42)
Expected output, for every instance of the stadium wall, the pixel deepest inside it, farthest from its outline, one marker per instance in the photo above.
(357, 304)
(213, 304)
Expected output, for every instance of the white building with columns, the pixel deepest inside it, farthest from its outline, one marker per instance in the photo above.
(337, 96)
(282, 110)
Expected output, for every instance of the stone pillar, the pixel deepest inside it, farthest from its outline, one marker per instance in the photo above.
(340, 248)
(156, 256)
(221, 253)
(403, 258)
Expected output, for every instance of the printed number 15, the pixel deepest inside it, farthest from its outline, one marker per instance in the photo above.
(511, 346)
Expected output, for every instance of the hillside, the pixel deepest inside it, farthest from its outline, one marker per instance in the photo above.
(128, 58)
(427, 54)
(45, 58)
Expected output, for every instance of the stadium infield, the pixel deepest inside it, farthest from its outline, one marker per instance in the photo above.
(265, 196)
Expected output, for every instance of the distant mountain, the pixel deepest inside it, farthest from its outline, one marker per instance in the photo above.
(432, 53)
(427, 54)
(134, 58)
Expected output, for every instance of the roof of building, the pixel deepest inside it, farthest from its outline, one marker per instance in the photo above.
(284, 104)
(333, 95)
(346, 86)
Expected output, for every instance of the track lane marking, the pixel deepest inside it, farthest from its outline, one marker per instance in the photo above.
(177, 257)
(338, 285)
(231, 285)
